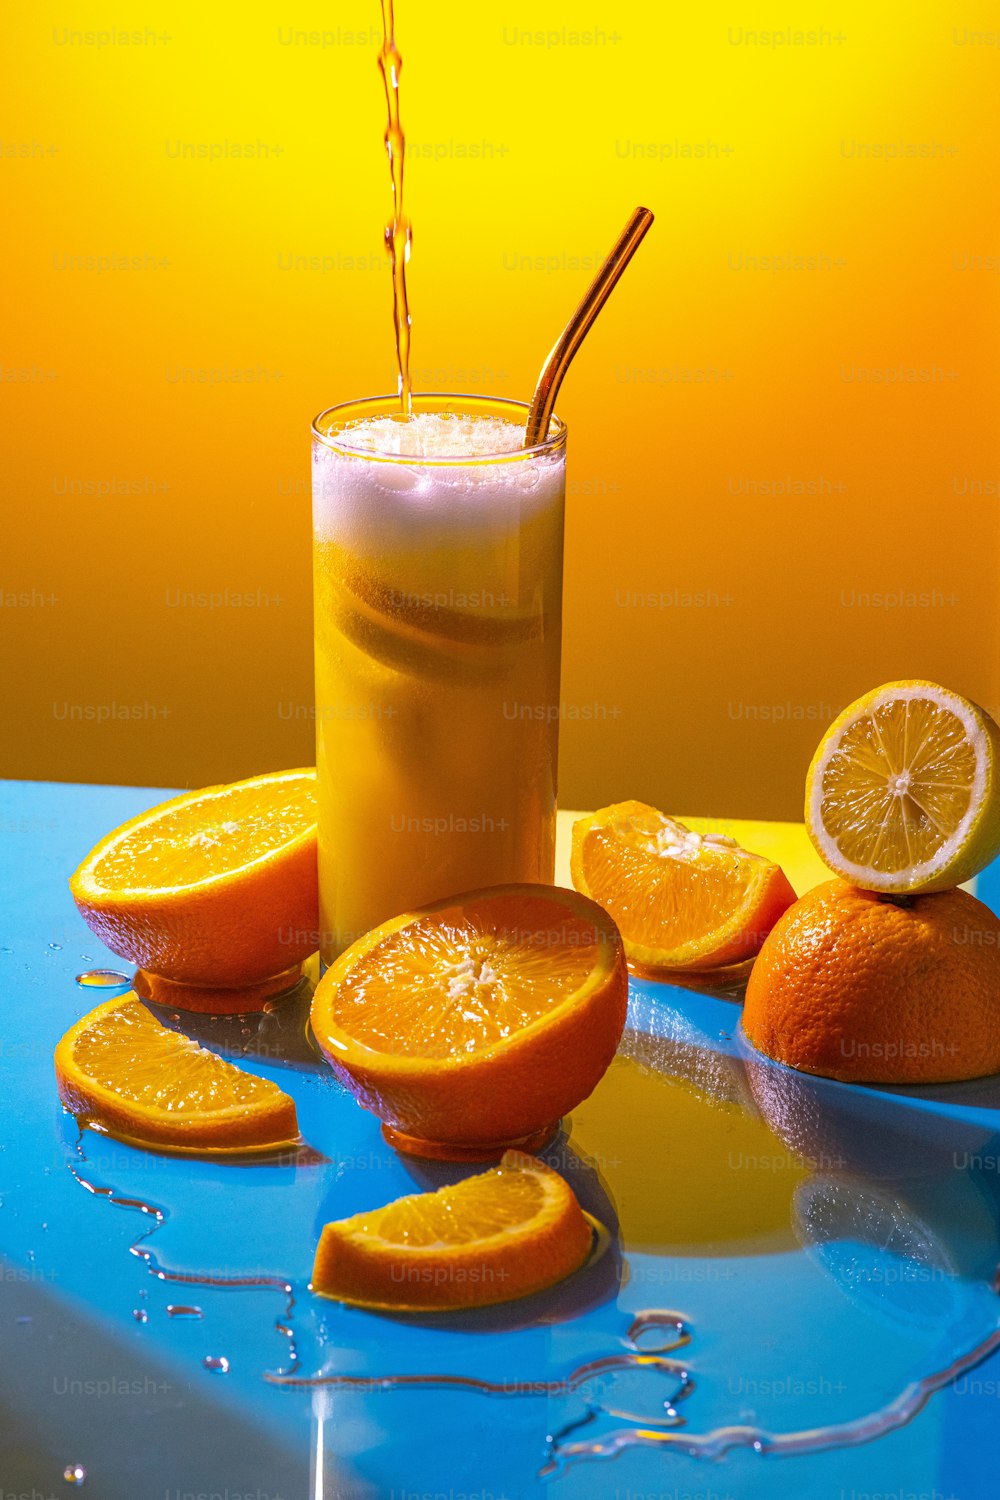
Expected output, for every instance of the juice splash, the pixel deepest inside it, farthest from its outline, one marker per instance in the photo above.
(398, 234)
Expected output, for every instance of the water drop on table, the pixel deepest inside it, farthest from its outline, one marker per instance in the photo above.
(74, 1474)
(103, 979)
(56, 947)
(182, 1310)
(140, 1315)
(217, 1362)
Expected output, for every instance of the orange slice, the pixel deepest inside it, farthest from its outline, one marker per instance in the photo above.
(119, 1070)
(682, 900)
(213, 889)
(475, 1023)
(504, 1234)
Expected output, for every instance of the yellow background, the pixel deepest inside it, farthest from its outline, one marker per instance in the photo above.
(717, 373)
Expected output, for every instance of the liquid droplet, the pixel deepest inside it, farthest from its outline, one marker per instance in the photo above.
(140, 1315)
(56, 947)
(217, 1362)
(75, 1474)
(103, 979)
(180, 1310)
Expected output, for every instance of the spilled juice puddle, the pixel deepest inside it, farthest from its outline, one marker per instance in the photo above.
(140, 1249)
(674, 1132)
(692, 1167)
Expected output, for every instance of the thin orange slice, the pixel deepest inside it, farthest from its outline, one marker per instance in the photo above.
(503, 1234)
(682, 900)
(119, 1070)
(216, 888)
(476, 1022)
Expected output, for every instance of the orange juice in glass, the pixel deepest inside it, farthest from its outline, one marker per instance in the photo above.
(438, 545)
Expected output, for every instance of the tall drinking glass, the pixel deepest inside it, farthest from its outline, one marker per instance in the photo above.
(438, 598)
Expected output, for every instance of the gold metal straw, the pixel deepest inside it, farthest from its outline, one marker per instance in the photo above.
(576, 329)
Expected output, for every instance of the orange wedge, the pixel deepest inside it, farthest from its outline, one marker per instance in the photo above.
(118, 1069)
(474, 1023)
(682, 900)
(504, 1234)
(215, 889)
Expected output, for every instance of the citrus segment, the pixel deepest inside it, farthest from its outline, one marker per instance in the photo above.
(477, 1021)
(681, 899)
(121, 1070)
(500, 1235)
(216, 888)
(903, 793)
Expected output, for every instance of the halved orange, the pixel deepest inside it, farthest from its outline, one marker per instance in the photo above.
(475, 1023)
(119, 1070)
(874, 988)
(682, 900)
(503, 1234)
(214, 889)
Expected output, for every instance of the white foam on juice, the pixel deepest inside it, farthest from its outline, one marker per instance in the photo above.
(435, 435)
(408, 500)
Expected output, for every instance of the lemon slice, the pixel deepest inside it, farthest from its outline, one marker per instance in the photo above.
(903, 793)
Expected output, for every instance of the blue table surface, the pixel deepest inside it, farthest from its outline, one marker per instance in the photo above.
(830, 1253)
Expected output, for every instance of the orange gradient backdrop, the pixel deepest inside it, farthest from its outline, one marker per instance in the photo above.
(783, 430)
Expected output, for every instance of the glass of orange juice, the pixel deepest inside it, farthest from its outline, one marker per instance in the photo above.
(438, 545)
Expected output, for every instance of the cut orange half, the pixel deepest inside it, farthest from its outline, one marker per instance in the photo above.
(903, 793)
(682, 900)
(503, 1234)
(215, 889)
(475, 1023)
(119, 1070)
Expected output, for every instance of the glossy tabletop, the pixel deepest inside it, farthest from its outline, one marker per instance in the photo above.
(798, 1297)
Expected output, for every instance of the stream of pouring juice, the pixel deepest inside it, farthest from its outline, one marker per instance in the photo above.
(397, 231)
